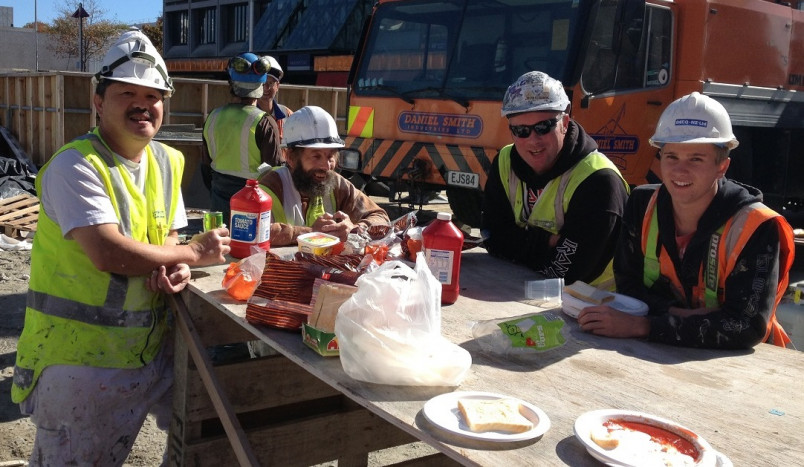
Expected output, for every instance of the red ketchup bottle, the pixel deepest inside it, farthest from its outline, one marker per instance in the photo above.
(250, 221)
(443, 242)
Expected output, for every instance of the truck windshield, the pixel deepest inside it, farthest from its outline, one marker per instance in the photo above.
(467, 49)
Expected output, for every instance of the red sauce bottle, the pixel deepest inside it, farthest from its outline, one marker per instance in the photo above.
(443, 242)
(250, 221)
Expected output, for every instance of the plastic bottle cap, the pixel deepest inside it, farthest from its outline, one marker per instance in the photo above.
(444, 216)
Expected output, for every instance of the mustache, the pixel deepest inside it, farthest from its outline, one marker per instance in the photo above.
(140, 113)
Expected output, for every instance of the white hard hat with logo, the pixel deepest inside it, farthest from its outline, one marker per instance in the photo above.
(534, 91)
(694, 118)
(311, 127)
(134, 59)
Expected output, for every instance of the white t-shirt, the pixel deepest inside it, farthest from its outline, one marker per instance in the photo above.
(75, 197)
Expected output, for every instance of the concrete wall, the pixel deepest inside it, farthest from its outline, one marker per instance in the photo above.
(20, 52)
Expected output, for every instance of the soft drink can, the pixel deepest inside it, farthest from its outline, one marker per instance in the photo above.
(212, 220)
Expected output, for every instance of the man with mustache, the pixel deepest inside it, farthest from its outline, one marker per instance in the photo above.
(239, 137)
(308, 195)
(95, 355)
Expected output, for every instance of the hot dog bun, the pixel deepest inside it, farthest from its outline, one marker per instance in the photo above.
(494, 415)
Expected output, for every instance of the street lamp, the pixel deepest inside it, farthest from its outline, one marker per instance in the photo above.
(80, 13)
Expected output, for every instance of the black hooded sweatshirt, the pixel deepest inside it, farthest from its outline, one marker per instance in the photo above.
(591, 223)
(750, 293)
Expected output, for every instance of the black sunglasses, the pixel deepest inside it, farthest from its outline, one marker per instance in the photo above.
(541, 128)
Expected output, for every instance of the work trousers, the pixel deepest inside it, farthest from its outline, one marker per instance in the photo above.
(91, 416)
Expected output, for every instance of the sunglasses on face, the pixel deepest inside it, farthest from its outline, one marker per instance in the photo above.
(241, 65)
(541, 128)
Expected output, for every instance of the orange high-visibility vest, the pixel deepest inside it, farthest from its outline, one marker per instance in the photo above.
(725, 246)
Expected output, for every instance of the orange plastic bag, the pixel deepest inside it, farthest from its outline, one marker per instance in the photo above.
(242, 278)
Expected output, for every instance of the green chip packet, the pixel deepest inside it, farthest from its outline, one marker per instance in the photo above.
(538, 332)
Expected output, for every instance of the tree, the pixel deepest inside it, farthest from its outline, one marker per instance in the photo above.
(97, 32)
(41, 27)
(154, 32)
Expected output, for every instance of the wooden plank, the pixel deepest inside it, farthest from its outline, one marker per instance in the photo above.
(214, 328)
(344, 435)
(19, 214)
(246, 385)
(236, 436)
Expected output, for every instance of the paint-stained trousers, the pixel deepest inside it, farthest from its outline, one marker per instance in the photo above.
(91, 416)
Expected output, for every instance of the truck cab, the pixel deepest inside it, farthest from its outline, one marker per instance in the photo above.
(426, 86)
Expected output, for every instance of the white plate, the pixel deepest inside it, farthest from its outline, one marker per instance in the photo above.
(443, 412)
(586, 423)
(572, 306)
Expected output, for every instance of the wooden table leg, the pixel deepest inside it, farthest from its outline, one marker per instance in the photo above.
(224, 409)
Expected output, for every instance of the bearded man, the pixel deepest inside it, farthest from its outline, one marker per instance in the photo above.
(308, 195)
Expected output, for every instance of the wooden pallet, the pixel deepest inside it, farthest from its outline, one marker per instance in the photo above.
(19, 214)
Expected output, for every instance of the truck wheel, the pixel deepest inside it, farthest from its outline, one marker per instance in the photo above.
(466, 205)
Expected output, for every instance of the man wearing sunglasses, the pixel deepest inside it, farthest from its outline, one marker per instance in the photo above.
(239, 137)
(552, 201)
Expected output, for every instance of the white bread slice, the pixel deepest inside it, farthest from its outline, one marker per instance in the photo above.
(494, 415)
(583, 291)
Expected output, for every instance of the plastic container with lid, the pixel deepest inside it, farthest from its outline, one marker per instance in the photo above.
(443, 243)
(250, 221)
(317, 243)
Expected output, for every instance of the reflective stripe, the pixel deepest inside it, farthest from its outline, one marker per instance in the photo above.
(163, 161)
(96, 315)
(121, 194)
(245, 137)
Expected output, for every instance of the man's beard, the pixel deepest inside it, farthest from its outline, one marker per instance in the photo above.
(306, 183)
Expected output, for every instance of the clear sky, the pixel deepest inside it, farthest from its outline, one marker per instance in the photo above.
(124, 11)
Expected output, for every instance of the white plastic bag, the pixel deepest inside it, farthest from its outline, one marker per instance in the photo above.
(389, 331)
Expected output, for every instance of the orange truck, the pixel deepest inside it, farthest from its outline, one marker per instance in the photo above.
(427, 81)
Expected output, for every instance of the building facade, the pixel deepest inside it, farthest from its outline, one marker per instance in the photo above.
(313, 40)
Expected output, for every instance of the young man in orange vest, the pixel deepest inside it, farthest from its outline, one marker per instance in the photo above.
(709, 259)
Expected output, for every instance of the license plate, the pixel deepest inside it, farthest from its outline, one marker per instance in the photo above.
(463, 179)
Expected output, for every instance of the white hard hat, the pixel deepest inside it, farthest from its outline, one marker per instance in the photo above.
(694, 118)
(534, 92)
(275, 71)
(311, 127)
(134, 59)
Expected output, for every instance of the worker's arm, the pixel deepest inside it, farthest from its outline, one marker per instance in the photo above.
(110, 251)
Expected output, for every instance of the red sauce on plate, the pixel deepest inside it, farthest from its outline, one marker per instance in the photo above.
(659, 435)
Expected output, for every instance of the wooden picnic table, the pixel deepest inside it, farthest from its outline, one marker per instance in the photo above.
(746, 404)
